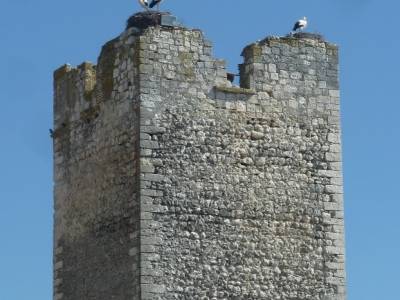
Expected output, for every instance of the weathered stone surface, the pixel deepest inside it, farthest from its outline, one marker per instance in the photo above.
(184, 187)
(96, 178)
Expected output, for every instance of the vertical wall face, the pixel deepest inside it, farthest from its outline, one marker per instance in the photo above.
(238, 194)
(241, 189)
(179, 236)
(96, 177)
(300, 79)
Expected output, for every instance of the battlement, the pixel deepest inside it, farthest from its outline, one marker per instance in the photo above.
(269, 65)
(171, 182)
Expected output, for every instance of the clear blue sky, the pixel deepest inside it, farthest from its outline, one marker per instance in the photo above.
(38, 36)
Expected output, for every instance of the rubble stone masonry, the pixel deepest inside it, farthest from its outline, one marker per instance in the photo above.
(172, 183)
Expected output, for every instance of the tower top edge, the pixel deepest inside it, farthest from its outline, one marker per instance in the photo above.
(307, 37)
(143, 22)
(67, 68)
(295, 40)
(145, 19)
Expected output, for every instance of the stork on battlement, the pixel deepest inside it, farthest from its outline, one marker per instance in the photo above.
(144, 4)
(147, 6)
(300, 25)
(155, 3)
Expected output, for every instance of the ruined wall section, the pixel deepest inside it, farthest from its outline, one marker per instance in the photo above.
(241, 188)
(96, 134)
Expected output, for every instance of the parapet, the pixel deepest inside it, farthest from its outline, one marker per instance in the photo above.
(300, 70)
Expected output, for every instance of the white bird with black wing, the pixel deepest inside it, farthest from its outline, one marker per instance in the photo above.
(144, 4)
(154, 3)
(300, 25)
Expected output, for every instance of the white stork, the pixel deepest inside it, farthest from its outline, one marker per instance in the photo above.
(144, 4)
(154, 3)
(300, 24)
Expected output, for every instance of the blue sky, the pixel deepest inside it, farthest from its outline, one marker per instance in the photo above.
(38, 36)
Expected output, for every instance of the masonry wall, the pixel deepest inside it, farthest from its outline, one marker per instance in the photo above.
(96, 158)
(241, 187)
(239, 190)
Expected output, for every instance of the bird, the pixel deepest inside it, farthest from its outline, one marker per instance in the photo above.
(51, 131)
(300, 24)
(154, 3)
(144, 4)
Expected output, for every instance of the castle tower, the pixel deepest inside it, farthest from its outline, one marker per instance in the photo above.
(171, 183)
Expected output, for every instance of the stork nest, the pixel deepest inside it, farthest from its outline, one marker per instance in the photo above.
(145, 19)
(307, 35)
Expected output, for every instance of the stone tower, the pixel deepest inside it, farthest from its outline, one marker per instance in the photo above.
(172, 183)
